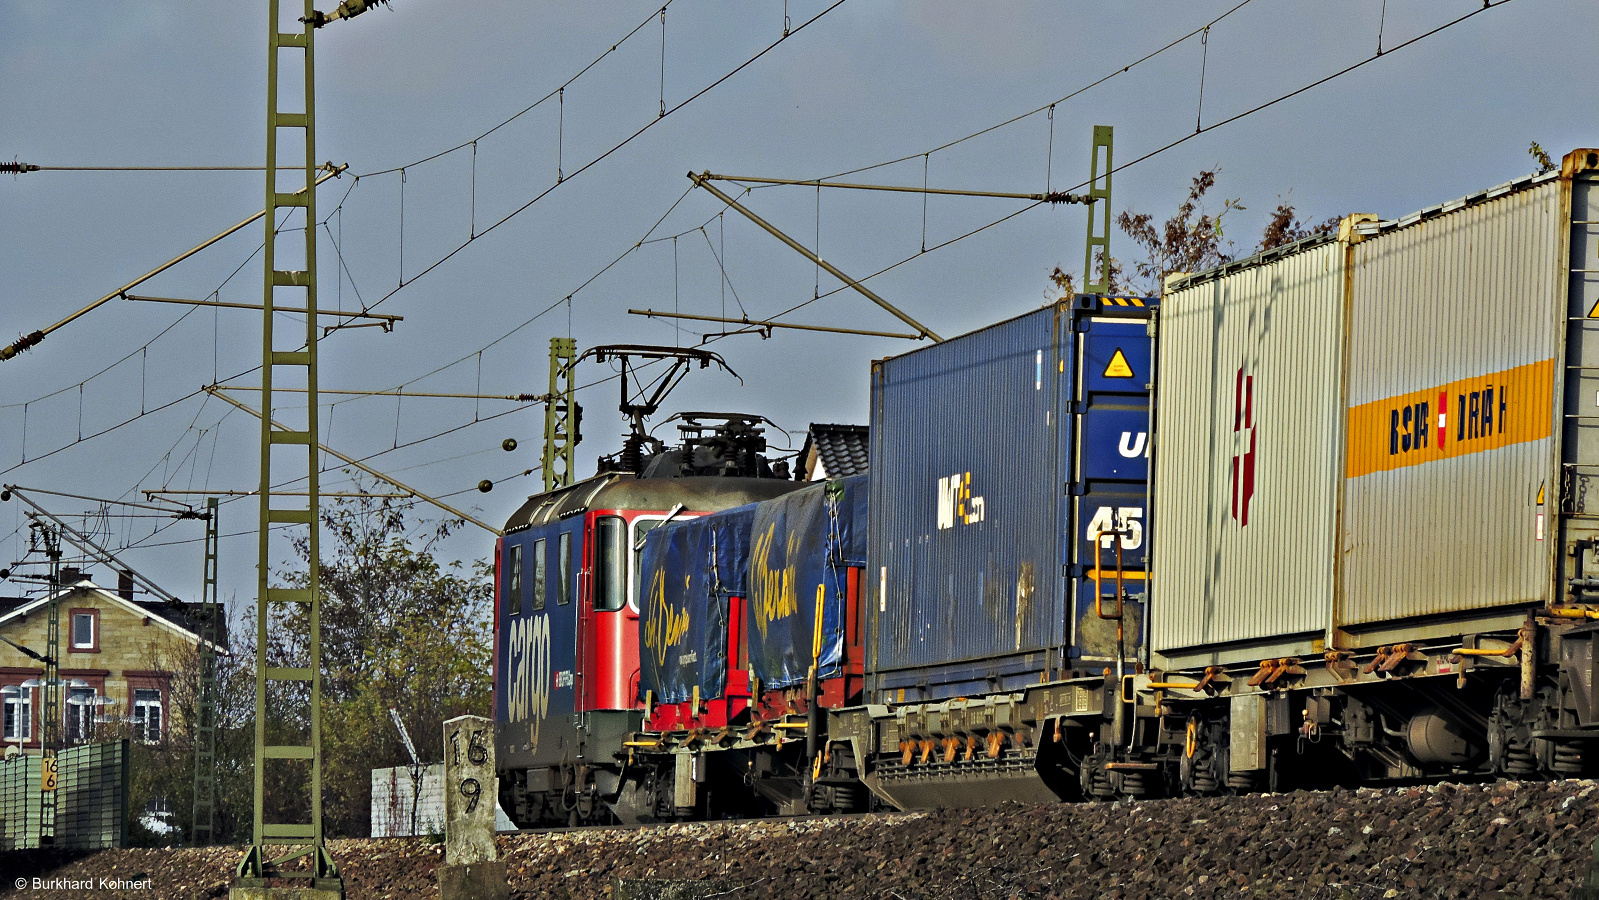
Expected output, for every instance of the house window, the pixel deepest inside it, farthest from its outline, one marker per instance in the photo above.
(81, 708)
(513, 603)
(538, 573)
(86, 629)
(18, 703)
(147, 715)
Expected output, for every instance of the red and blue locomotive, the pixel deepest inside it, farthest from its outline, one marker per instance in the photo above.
(568, 576)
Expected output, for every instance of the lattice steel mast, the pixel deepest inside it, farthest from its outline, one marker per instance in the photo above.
(50, 740)
(203, 831)
(289, 53)
(298, 683)
(1099, 216)
(561, 417)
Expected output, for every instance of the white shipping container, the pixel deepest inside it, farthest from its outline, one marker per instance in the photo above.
(1419, 465)
(1248, 456)
(1455, 332)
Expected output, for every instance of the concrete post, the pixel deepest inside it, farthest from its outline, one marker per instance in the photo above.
(472, 869)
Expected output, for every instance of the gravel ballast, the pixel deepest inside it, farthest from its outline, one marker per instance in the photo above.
(1510, 840)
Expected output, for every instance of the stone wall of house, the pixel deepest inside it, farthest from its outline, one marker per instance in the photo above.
(124, 650)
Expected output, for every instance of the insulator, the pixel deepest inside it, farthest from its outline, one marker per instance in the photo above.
(21, 344)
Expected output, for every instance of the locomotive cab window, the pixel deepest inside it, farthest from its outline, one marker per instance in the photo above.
(513, 584)
(641, 527)
(563, 569)
(538, 574)
(610, 564)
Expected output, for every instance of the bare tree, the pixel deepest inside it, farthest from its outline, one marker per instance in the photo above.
(1191, 240)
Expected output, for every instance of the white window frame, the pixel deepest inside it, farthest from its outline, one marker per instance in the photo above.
(141, 718)
(94, 626)
(634, 556)
(21, 698)
(86, 709)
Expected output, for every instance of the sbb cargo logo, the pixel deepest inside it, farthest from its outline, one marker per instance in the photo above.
(1486, 412)
(530, 682)
(956, 505)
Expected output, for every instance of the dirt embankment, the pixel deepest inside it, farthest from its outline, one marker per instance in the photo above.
(1526, 841)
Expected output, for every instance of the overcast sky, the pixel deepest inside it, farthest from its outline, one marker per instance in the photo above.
(131, 84)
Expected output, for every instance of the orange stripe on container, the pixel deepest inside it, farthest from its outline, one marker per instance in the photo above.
(1380, 439)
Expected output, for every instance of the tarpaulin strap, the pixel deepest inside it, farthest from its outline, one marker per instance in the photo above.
(835, 555)
(835, 535)
(716, 573)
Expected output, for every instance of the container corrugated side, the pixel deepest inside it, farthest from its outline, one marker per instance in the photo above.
(1248, 454)
(965, 473)
(1453, 354)
(1573, 510)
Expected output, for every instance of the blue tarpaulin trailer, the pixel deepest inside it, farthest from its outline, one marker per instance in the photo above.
(690, 571)
(802, 547)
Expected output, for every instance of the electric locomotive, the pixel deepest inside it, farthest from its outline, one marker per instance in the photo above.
(567, 587)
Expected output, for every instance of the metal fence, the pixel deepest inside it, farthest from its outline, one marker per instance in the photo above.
(91, 808)
(92, 797)
(20, 803)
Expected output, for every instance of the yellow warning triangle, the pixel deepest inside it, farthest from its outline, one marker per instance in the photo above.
(1540, 495)
(1118, 367)
(1594, 313)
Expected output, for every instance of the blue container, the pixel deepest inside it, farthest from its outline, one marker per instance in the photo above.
(690, 570)
(802, 547)
(999, 461)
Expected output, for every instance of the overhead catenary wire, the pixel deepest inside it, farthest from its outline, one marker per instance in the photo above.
(1119, 168)
(338, 210)
(26, 167)
(1488, 4)
(1122, 70)
(143, 352)
(33, 338)
(593, 162)
(566, 298)
(532, 106)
